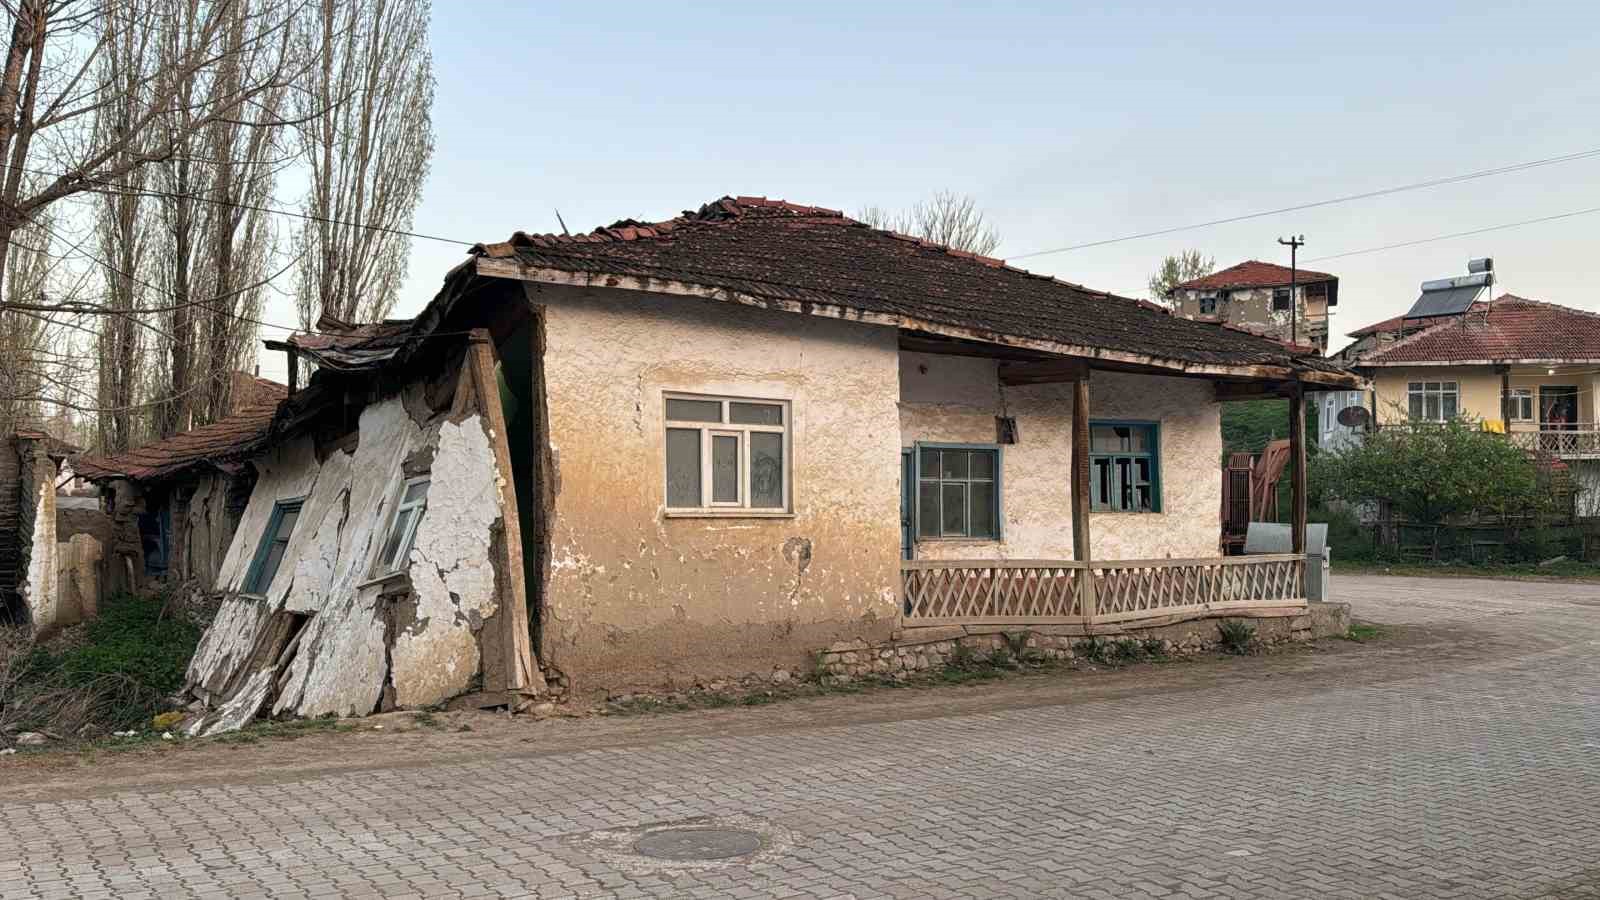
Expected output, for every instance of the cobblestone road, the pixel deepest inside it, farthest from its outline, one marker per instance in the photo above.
(1479, 778)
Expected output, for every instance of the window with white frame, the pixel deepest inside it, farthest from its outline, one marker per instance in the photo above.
(403, 527)
(726, 454)
(1433, 401)
(1521, 405)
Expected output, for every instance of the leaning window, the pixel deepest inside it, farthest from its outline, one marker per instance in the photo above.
(274, 544)
(726, 454)
(403, 527)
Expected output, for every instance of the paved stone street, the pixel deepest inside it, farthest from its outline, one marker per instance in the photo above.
(1472, 773)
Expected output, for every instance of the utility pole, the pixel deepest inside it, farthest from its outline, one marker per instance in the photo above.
(1294, 243)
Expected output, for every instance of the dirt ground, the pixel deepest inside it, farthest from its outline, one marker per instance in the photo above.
(398, 740)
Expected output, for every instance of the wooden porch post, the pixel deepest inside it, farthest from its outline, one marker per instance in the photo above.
(1297, 455)
(1080, 491)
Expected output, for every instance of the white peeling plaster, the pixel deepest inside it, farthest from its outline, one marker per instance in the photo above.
(342, 660)
(238, 711)
(40, 588)
(450, 569)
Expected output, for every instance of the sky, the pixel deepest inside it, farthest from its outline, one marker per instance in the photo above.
(1066, 122)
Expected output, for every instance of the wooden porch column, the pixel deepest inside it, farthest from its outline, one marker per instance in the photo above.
(1080, 491)
(1297, 456)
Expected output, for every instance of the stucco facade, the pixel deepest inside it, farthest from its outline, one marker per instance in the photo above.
(636, 595)
(953, 399)
(1481, 388)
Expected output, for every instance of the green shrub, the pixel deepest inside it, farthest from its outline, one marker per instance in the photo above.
(1237, 636)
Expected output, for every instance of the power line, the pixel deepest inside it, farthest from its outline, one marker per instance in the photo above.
(1365, 195)
(1458, 234)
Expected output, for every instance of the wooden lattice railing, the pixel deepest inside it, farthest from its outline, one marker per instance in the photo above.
(1054, 591)
(1579, 440)
(991, 591)
(1133, 589)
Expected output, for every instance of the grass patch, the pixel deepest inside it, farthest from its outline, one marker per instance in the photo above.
(1361, 632)
(1237, 636)
(111, 674)
(1566, 570)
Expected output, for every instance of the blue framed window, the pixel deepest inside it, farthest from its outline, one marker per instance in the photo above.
(274, 543)
(1125, 467)
(958, 491)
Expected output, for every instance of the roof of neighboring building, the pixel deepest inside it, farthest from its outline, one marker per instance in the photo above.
(211, 444)
(813, 260)
(1395, 324)
(1510, 329)
(1254, 273)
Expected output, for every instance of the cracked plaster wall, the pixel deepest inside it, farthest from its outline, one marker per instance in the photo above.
(635, 597)
(344, 659)
(956, 400)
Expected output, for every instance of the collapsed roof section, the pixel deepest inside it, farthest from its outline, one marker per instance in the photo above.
(209, 445)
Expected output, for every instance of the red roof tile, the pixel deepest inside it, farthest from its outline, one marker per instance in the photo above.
(207, 445)
(797, 255)
(1508, 330)
(1253, 273)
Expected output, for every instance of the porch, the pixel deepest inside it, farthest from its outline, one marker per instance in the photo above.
(1577, 440)
(1158, 499)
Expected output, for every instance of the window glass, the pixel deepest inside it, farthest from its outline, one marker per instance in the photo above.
(981, 465)
(958, 494)
(755, 413)
(724, 468)
(683, 468)
(391, 547)
(928, 509)
(1124, 468)
(953, 520)
(955, 464)
(1416, 406)
(981, 507)
(766, 469)
(694, 410)
(415, 492)
(274, 544)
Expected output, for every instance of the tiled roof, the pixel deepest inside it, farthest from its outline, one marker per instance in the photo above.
(1394, 324)
(212, 444)
(1509, 329)
(346, 347)
(1253, 273)
(805, 257)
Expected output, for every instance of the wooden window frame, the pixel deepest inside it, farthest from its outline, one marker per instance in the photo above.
(1153, 454)
(709, 506)
(999, 494)
(263, 548)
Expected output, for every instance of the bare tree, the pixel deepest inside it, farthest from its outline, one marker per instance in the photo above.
(25, 336)
(1175, 270)
(947, 218)
(368, 156)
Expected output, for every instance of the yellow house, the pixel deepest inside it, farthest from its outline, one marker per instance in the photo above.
(1526, 368)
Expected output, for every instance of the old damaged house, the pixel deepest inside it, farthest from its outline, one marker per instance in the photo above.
(710, 446)
(1264, 297)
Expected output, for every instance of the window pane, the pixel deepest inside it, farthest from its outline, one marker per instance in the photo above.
(755, 413)
(1450, 405)
(930, 464)
(1139, 439)
(953, 518)
(1416, 406)
(766, 469)
(982, 464)
(391, 547)
(928, 511)
(1430, 407)
(694, 410)
(955, 463)
(1414, 386)
(982, 511)
(1450, 385)
(1124, 498)
(724, 468)
(1431, 386)
(1100, 484)
(286, 523)
(416, 492)
(683, 468)
(1103, 439)
(269, 567)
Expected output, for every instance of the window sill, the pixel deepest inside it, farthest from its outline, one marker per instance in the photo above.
(960, 540)
(381, 579)
(729, 514)
(245, 595)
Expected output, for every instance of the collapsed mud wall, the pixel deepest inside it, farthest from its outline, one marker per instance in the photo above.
(36, 530)
(328, 635)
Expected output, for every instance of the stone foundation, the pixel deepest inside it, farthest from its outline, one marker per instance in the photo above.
(931, 648)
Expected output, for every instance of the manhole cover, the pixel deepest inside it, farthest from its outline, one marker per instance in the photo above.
(698, 843)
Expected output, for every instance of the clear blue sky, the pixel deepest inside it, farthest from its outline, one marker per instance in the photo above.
(1067, 125)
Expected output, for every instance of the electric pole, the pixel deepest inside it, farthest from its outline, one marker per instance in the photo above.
(1294, 243)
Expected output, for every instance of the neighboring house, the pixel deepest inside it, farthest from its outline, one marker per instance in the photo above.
(173, 505)
(1332, 434)
(30, 552)
(712, 446)
(1258, 296)
(1529, 368)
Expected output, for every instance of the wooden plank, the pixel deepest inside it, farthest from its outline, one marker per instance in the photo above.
(520, 673)
(1043, 371)
(1080, 492)
(1297, 459)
